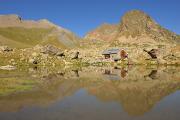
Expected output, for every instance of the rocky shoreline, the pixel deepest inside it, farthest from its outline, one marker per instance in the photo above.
(52, 56)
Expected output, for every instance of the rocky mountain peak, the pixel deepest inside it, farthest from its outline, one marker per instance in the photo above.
(136, 21)
(136, 27)
(136, 16)
(105, 31)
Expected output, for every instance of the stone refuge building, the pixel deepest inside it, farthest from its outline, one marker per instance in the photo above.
(115, 54)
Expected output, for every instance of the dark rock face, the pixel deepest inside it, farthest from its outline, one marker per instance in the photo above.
(152, 53)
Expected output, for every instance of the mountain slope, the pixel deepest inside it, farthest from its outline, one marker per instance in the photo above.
(136, 27)
(105, 31)
(19, 33)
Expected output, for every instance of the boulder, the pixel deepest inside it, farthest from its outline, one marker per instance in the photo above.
(60, 54)
(75, 55)
(34, 54)
(152, 53)
(6, 49)
(7, 67)
(33, 61)
(52, 50)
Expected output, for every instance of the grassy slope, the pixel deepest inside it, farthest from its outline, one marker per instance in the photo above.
(22, 37)
(53, 40)
(12, 43)
(19, 37)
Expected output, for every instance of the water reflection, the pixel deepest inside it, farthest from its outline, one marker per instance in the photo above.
(116, 73)
(76, 72)
(136, 90)
(153, 74)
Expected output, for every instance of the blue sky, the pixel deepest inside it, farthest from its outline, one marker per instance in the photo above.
(81, 16)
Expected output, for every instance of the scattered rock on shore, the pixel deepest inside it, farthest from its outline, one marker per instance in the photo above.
(52, 50)
(5, 48)
(7, 67)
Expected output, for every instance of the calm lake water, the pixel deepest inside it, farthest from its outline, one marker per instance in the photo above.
(91, 93)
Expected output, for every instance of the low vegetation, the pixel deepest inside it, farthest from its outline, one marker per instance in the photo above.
(27, 37)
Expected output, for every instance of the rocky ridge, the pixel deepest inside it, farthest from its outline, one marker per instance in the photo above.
(136, 27)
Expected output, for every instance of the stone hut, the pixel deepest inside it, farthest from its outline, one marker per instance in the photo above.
(115, 54)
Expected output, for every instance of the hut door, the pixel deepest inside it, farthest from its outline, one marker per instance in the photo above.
(107, 56)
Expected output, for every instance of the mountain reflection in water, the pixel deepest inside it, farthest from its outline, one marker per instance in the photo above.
(132, 92)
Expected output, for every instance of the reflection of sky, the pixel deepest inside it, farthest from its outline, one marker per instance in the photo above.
(82, 106)
(112, 77)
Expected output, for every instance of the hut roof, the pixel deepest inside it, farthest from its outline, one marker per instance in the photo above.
(111, 51)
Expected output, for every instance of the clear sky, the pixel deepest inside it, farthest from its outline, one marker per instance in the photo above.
(81, 16)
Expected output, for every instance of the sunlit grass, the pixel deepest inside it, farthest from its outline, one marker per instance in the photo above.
(24, 36)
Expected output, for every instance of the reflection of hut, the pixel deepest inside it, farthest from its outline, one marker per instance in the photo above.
(123, 72)
(115, 74)
(115, 54)
(112, 74)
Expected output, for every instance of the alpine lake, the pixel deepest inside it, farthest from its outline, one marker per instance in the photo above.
(90, 93)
